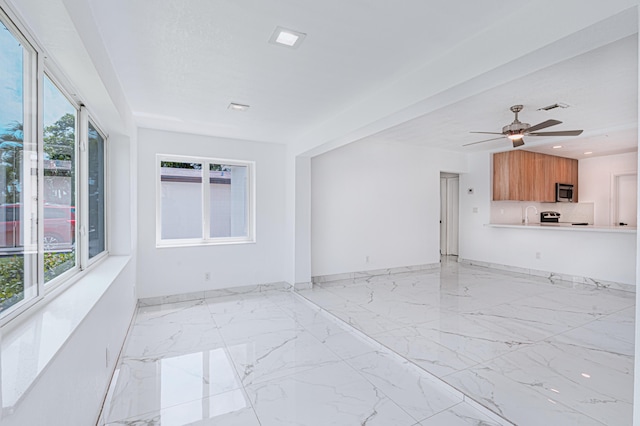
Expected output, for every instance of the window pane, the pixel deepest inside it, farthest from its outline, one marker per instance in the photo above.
(17, 213)
(181, 202)
(59, 182)
(96, 192)
(228, 198)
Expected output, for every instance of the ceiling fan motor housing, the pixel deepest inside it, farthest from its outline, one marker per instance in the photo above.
(515, 128)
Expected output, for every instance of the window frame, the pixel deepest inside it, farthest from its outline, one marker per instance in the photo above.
(48, 286)
(205, 239)
(32, 116)
(84, 148)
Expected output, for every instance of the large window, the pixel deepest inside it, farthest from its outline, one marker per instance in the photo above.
(18, 186)
(204, 201)
(52, 179)
(59, 189)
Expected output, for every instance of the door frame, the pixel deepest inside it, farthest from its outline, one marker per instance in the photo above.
(613, 207)
(448, 205)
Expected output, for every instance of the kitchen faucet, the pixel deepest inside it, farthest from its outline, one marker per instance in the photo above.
(526, 213)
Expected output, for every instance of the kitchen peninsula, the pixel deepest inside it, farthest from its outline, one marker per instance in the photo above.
(598, 254)
(601, 256)
(566, 227)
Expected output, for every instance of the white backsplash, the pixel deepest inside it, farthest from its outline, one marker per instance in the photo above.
(513, 211)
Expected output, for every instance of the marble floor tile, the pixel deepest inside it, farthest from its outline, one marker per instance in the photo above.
(324, 298)
(347, 345)
(414, 391)
(522, 405)
(164, 336)
(148, 385)
(461, 414)
(304, 312)
(366, 321)
(269, 312)
(572, 376)
(407, 311)
(241, 304)
(526, 321)
(471, 338)
(180, 312)
(596, 302)
(549, 312)
(330, 395)
(613, 333)
(274, 355)
(423, 351)
(226, 409)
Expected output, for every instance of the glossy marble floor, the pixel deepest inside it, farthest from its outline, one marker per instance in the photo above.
(388, 350)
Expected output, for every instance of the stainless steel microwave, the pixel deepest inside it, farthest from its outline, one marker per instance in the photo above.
(564, 193)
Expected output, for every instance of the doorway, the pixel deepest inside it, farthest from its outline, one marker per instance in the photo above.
(625, 197)
(449, 199)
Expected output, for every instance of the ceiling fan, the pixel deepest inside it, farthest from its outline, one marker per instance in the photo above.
(517, 130)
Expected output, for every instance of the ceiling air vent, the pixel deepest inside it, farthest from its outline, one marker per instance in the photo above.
(554, 106)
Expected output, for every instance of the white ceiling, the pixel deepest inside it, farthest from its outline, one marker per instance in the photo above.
(180, 64)
(600, 87)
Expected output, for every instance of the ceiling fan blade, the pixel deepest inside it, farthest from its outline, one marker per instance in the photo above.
(559, 133)
(486, 140)
(489, 133)
(518, 142)
(543, 125)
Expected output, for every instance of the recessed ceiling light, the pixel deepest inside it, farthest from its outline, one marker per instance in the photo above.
(588, 152)
(557, 147)
(286, 37)
(238, 107)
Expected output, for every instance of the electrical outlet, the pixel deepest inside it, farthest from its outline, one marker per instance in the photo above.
(475, 210)
(207, 276)
(366, 259)
(537, 255)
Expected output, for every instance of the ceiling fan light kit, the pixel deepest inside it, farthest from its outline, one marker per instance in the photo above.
(517, 130)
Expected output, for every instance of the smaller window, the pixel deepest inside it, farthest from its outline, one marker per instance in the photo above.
(97, 190)
(204, 201)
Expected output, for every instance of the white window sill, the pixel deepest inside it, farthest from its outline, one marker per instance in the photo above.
(31, 341)
(200, 243)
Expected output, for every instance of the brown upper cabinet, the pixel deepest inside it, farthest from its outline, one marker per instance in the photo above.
(529, 176)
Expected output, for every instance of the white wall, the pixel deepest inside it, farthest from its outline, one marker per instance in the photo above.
(595, 181)
(376, 200)
(71, 388)
(603, 257)
(175, 270)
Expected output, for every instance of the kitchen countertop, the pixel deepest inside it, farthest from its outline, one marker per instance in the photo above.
(565, 227)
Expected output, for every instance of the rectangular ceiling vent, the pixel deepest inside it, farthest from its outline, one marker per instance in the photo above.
(554, 106)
